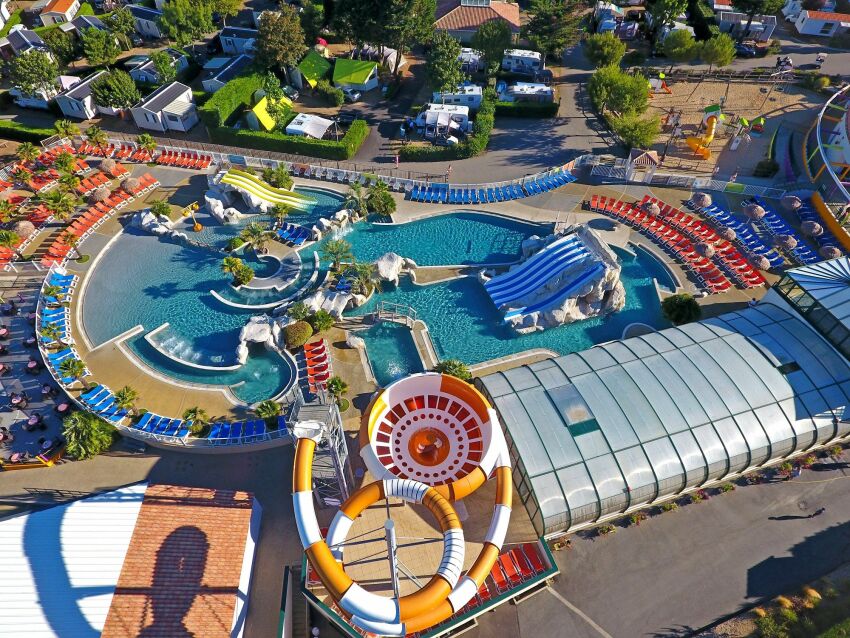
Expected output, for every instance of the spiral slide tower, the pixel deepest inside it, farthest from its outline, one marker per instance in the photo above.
(429, 439)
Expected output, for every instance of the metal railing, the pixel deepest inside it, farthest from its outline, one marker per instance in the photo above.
(397, 313)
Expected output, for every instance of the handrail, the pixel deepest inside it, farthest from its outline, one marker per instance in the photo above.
(827, 163)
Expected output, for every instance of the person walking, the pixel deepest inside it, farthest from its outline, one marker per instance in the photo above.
(817, 512)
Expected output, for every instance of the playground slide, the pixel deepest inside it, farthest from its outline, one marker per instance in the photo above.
(252, 184)
(699, 145)
(535, 272)
(558, 296)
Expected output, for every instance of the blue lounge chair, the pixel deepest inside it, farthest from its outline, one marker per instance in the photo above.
(147, 416)
(518, 192)
(473, 196)
(414, 193)
(151, 425)
(183, 429)
(281, 422)
(506, 193)
(236, 430)
(491, 196)
(482, 196)
(215, 430)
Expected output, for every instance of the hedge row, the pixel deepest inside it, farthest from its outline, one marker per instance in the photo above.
(12, 130)
(702, 19)
(527, 109)
(234, 96)
(474, 145)
(344, 149)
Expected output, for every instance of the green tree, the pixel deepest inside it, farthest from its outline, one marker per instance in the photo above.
(753, 8)
(680, 46)
(125, 399)
(198, 417)
(321, 321)
(66, 128)
(97, 136)
(296, 334)
(604, 49)
(365, 278)
(337, 251)
(614, 89)
(491, 39)
(185, 21)
(553, 25)
(256, 236)
(719, 51)
(405, 22)
(380, 200)
(299, 311)
(268, 410)
(86, 435)
(100, 47)
(9, 239)
(664, 13)
(280, 212)
(244, 274)
(358, 21)
(637, 132)
(444, 67)
(34, 71)
(52, 332)
(455, 368)
(355, 199)
(68, 182)
(27, 152)
(231, 265)
(312, 20)
(54, 292)
(64, 47)
(115, 89)
(226, 8)
(337, 388)
(72, 368)
(278, 177)
(280, 41)
(7, 209)
(146, 142)
(65, 162)
(62, 205)
(122, 24)
(681, 308)
(164, 66)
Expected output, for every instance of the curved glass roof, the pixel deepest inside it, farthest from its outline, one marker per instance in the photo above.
(625, 423)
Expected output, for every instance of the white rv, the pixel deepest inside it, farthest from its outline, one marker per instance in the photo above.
(443, 121)
(522, 61)
(464, 95)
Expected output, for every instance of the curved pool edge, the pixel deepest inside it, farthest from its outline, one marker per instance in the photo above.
(189, 364)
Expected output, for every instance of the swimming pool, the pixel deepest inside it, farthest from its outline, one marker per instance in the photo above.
(464, 324)
(144, 280)
(392, 352)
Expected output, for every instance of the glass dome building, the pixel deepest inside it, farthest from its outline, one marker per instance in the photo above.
(636, 422)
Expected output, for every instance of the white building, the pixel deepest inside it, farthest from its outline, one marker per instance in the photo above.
(78, 102)
(522, 61)
(4, 13)
(147, 21)
(170, 108)
(20, 41)
(219, 71)
(307, 125)
(145, 71)
(41, 99)
(466, 95)
(237, 40)
(59, 11)
(761, 27)
(822, 23)
(793, 7)
(527, 92)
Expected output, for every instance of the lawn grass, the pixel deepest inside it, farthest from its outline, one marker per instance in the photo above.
(15, 18)
(85, 10)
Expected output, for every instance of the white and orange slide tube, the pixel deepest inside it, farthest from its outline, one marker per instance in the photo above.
(448, 590)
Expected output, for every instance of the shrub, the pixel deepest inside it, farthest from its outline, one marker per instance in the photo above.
(669, 507)
(234, 243)
(322, 320)
(635, 518)
(527, 109)
(768, 627)
(86, 435)
(727, 487)
(13, 130)
(784, 602)
(296, 334)
(681, 308)
(232, 97)
(455, 368)
(330, 93)
(299, 311)
(604, 530)
(634, 58)
(695, 497)
(836, 451)
(343, 149)
(278, 177)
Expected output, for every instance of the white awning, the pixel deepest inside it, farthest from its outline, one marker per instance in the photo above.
(309, 125)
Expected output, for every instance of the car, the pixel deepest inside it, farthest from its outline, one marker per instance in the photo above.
(351, 95)
(744, 51)
(346, 118)
(290, 92)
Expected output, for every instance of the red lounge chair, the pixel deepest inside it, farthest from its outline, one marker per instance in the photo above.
(532, 554)
(510, 569)
(499, 578)
(521, 562)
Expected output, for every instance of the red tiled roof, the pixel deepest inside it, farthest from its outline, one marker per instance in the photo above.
(181, 573)
(451, 16)
(58, 6)
(827, 16)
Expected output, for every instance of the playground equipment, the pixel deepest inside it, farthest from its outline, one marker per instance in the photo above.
(699, 145)
(429, 439)
(658, 85)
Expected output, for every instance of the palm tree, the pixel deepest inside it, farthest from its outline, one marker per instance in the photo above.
(9, 239)
(71, 240)
(52, 333)
(53, 291)
(73, 368)
(97, 136)
(268, 410)
(126, 398)
(146, 142)
(231, 265)
(7, 209)
(199, 418)
(27, 152)
(337, 251)
(61, 204)
(65, 162)
(69, 182)
(66, 128)
(86, 435)
(256, 236)
(355, 200)
(280, 212)
(337, 388)
(365, 278)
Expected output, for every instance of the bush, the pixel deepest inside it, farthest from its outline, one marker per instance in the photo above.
(296, 334)
(727, 487)
(330, 93)
(455, 368)
(669, 507)
(321, 321)
(344, 149)
(13, 130)
(766, 168)
(299, 311)
(15, 18)
(278, 177)
(234, 243)
(527, 109)
(681, 308)
(232, 97)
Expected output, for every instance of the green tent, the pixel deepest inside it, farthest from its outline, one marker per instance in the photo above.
(314, 67)
(357, 73)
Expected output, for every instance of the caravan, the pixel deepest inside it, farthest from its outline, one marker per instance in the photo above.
(522, 61)
(441, 123)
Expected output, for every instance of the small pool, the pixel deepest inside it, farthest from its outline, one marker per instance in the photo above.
(464, 324)
(392, 352)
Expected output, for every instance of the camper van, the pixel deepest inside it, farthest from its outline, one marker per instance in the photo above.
(522, 61)
(441, 123)
(464, 95)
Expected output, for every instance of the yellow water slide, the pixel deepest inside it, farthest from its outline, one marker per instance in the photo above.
(699, 145)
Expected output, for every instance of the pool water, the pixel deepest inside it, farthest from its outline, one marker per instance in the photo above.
(392, 352)
(144, 280)
(464, 324)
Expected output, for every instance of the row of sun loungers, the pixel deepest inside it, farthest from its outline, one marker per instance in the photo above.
(87, 148)
(443, 194)
(90, 184)
(775, 225)
(293, 234)
(808, 214)
(101, 401)
(184, 160)
(708, 276)
(317, 364)
(55, 360)
(37, 183)
(141, 155)
(735, 265)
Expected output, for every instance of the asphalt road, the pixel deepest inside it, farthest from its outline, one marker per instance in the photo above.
(683, 570)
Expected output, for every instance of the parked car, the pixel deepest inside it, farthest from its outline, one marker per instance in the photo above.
(290, 92)
(744, 51)
(346, 118)
(351, 95)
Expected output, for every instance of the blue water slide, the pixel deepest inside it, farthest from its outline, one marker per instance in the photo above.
(558, 296)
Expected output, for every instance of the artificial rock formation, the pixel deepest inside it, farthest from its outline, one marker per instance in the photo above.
(259, 329)
(390, 265)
